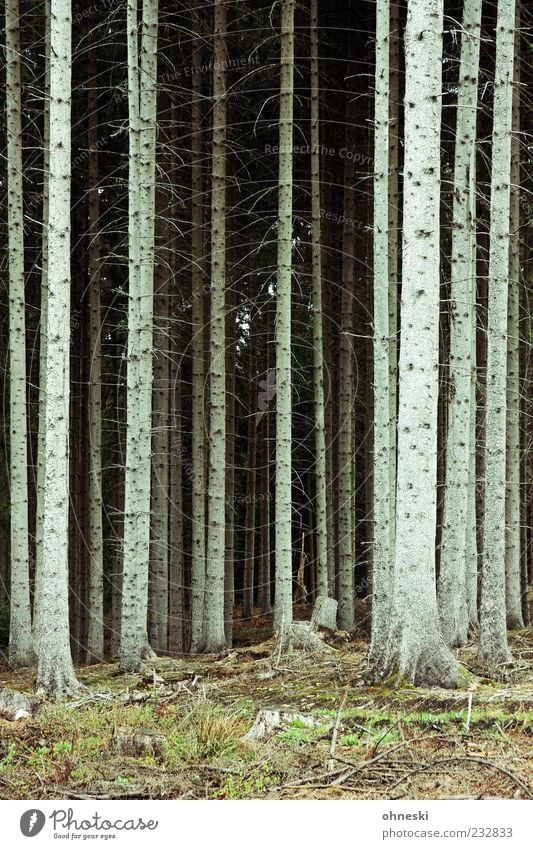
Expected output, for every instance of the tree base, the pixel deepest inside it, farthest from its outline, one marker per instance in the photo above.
(57, 686)
(430, 664)
(300, 635)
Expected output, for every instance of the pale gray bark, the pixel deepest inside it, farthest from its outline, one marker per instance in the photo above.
(493, 648)
(283, 502)
(457, 527)
(415, 648)
(382, 556)
(318, 341)
(345, 577)
(197, 354)
(229, 566)
(176, 625)
(513, 594)
(395, 41)
(55, 672)
(20, 634)
(163, 395)
(472, 554)
(251, 464)
(215, 639)
(95, 634)
(141, 184)
(42, 327)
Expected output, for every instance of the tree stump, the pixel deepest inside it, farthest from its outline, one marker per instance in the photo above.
(140, 743)
(271, 719)
(15, 705)
(325, 613)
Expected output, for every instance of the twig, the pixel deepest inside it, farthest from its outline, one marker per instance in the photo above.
(456, 759)
(355, 766)
(335, 734)
(72, 794)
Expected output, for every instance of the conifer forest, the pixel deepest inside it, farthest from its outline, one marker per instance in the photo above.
(266, 468)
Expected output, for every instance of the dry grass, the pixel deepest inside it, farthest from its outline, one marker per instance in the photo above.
(408, 743)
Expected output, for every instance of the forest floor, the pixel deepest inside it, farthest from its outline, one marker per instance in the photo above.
(179, 731)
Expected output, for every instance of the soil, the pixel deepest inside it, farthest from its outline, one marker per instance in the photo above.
(402, 743)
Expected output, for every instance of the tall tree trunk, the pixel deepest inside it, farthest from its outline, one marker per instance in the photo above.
(42, 327)
(395, 41)
(415, 648)
(345, 581)
(55, 672)
(161, 421)
(513, 595)
(472, 532)
(176, 628)
(382, 551)
(455, 543)
(20, 635)
(318, 341)
(176, 635)
(251, 465)
(493, 648)
(197, 352)
(214, 587)
(283, 598)
(229, 566)
(95, 637)
(142, 126)
(264, 596)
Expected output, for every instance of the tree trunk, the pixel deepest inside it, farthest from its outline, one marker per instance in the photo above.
(55, 672)
(251, 465)
(215, 638)
(20, 635)
(142, 121)
(318, 341)
(513, 595)
(161, 421)
(229, 557)
(493, 648)
(283, 598)
(197, 352)
(415, 649)
(395, 40)
(95, 637)
(382, 552)
(176, 628)
(345, 582)
(456, 527)
(42, 327)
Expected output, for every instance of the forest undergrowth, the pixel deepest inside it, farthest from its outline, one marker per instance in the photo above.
(179, 730)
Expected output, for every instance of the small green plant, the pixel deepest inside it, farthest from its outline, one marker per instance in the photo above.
(7, 760)
(300, 732)
(350, 740)
(63, 747)
(241, 786)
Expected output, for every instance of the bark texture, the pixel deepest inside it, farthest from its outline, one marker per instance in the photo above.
(415, 649)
